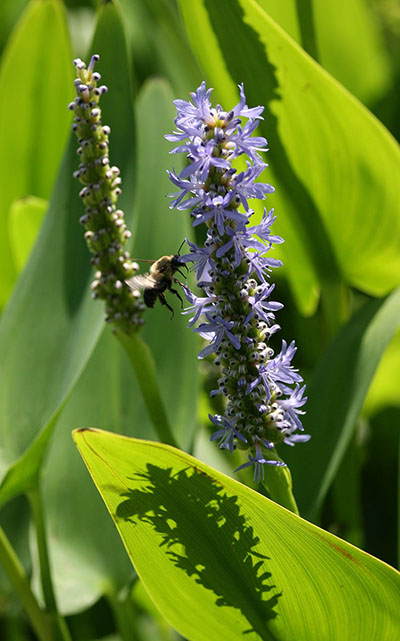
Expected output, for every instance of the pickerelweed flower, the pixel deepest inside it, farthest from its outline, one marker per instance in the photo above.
(106, 233)
(236, 315)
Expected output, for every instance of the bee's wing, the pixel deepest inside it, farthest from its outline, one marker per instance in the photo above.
(142, 281)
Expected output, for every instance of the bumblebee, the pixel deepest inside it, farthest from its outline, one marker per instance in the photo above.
(158, 279)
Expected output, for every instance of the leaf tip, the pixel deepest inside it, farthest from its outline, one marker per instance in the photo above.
(79, 431)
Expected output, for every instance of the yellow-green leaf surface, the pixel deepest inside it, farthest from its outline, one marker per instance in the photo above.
(25, 217)
(221, 561)
(35, 85)
(347, 34)
(51, 323)
(334, 165)
(320, 28)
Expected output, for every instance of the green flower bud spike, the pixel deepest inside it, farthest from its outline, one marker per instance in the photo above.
(105, 229)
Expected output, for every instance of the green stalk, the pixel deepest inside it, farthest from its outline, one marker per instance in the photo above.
(335, 304)
(59, 627)
(278, 483)
(143, 363)
(125, 616)
(16, 574)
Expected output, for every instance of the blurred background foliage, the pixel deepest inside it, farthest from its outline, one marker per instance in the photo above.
(343, 238)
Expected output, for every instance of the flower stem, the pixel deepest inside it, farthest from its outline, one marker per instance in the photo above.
(125, 616)
(336, 307)
(16, 574)
(142, 360)
(60, 630)
(278, 483)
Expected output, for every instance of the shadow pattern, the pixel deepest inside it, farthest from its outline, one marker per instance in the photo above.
(222, 556)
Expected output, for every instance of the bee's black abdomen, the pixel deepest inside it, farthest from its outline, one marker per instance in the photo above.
(150, 297)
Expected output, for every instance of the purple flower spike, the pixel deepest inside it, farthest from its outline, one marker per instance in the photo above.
(236, 315)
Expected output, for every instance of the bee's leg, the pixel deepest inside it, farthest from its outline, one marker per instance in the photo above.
(174, 291)
(176, 280)
(179, 271)
(163, 301)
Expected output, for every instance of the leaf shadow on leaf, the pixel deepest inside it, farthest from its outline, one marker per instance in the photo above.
(308, 223)
(205, 535)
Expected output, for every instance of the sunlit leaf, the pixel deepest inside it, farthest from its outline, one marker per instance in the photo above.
(343, 46)
(35, 86)
(319, 28)
(25, 217)
(51, 324)
(231, 561)
(332, 162)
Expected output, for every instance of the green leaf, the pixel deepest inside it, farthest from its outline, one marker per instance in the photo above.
(384, 390)
(318, 27)
(231, 561)
(338, 55)
(286, 14)
(51, 324)
(335, 397)
(35, 85)
(331, 161)
(143, 363)
(86, 566)
(159, 44)
(347, 497)
(25, 217)
(9, 13)
(159, 232)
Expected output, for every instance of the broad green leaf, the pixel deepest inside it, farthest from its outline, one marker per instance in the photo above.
(348, 34)
(154, 627)
(232, 562)
(319, 28)
(159, 232)
(25, 217)
(384, 390)
(339, 198)
(51, 324)
(9, 13)
(335, 398)
(156, 27)
(35, 85)
(85, 565)
(285, 14)
(347, 496)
